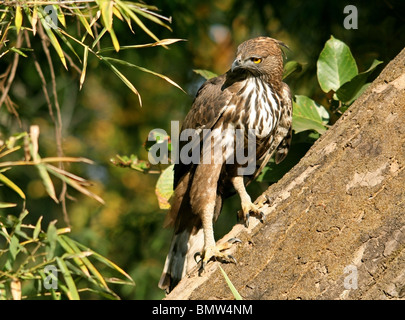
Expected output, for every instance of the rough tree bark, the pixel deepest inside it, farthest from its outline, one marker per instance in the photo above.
(338, 216)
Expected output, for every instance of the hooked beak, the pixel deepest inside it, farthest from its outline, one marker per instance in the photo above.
(236, 64)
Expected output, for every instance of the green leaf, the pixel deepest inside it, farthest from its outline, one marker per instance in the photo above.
(52, 236)
(164, 187)
(335, 65)
(88, 266)
(205, 73)
(290, 67)
(83, 75)
(114, 40)
(306, 115)
(14, 49)
(104, 260)
(84, 22)
(349, 91)
(235, 292)
(52, 38)
(106, 7)
(4, 205)
(47, 181)
(72, 292)
(145, 70)
(12, 185)
(122, 77)
(124, 7)
(18, 18)
(37, 229)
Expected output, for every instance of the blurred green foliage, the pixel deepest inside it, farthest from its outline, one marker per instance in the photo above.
(105, 119)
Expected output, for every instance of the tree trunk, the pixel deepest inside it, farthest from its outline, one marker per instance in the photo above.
(335, 224)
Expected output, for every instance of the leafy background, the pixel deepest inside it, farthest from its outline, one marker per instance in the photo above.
(105, 118)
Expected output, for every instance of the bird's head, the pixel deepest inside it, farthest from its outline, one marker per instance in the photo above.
(260, 56)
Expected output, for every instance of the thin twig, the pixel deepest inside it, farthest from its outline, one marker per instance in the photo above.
(12, 72)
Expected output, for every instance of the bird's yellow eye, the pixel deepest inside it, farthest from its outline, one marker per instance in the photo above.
(256, 60)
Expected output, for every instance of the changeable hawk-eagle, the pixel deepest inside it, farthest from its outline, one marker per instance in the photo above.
(250, 97)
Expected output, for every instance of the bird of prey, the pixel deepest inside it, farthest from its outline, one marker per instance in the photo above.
(250, 97)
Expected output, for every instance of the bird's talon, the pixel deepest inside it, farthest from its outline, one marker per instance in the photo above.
(234, 240)
(197, 254)
(232, 258)
(247, 220)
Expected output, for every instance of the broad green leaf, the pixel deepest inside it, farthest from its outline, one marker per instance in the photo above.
(306, 115)
(12, 185)
(349, 91)
(83, 75)
(335, 65)
(205, 73)
(290, 67)
(235, 292)
(18, 18)
(72, 292)
(164, 187)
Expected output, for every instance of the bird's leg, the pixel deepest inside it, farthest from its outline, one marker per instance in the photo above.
(247, 206)
(211, 250)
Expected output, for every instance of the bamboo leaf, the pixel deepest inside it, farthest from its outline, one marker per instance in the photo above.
(106, 7)
(34, 20)
(235, 292)
(83, 75)
(86, 261)
(18, 17)
(12, 185)
(98, 37)
(135, 18)
(114, 40)
(37, 229)
(84, 21)
(72, 292)
(54, 41)
(4, 205)
(61, 16)
(105, 261)
(47, 181)
(145, 70)
(68, 179)
(164, 42)
(77, 260)
(122, 77)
